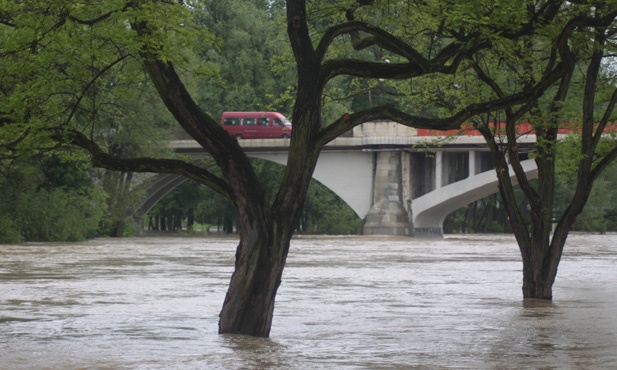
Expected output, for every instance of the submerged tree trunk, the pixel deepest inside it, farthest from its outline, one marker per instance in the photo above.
(190, 219)
(540, 255)
(539, 270)
(249, 304)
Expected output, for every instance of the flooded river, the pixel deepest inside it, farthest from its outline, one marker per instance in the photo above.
(345, 303)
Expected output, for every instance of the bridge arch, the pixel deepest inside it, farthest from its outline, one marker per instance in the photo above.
(345, 174)
(162, 185)
(431, 209)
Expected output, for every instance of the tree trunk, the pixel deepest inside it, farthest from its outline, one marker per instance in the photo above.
(249, 303)
(178, 221)
(265, 228)
(539, 254)
(539, 270)
(228, 226)
(265, 234)
(190, 219)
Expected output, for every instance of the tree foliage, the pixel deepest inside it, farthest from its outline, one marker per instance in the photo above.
(250, 43)
(62, 70)
(48, 200)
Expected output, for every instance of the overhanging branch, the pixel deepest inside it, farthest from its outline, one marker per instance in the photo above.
(378, 37)
(153, 165)
(349, 121)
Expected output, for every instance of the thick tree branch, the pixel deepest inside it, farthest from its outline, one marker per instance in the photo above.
(454, 52)
(299, 36)
(7, 20)
(606, 117)
(363, 69)
(243, 187)
(153, 165)
(447, 61)
(349, 121)
(204, 129)
(379, 37)
(93, 21)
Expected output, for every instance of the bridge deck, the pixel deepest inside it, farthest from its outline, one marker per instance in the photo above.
(408, 143)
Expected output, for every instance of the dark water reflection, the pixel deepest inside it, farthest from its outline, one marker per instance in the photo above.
(355, 303)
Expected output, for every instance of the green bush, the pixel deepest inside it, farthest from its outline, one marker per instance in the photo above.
(35, 208)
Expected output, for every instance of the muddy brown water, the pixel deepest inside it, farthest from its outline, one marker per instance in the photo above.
(345, 303)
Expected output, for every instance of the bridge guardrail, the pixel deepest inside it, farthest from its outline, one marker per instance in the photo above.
(366, 142)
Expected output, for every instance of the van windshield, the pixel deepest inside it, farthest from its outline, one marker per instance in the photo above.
(286, 121)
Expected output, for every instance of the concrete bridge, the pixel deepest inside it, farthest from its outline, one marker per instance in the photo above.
(397, 182)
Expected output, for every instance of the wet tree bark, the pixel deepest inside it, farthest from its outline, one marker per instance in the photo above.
(249, 304)
(265, 240)
(540, 254)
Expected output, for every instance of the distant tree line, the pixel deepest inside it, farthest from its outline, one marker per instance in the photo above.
(49, 200)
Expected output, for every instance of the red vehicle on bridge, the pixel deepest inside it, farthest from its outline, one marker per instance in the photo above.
(256, 125)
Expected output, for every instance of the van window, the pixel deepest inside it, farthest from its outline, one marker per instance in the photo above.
(278, 122)
(231, 121)
(248, 121)
(263, 121)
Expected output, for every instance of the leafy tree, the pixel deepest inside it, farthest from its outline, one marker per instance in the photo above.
(581, 38)
(597, 216)
(130, 123)
(48, 200)
(326, 213)
(83, 80)
(599, 211)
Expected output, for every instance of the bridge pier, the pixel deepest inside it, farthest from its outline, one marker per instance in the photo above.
(387, 215)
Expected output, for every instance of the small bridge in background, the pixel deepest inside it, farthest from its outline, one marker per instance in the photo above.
(398, 182)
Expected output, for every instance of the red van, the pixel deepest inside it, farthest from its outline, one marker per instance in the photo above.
(256, 125)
